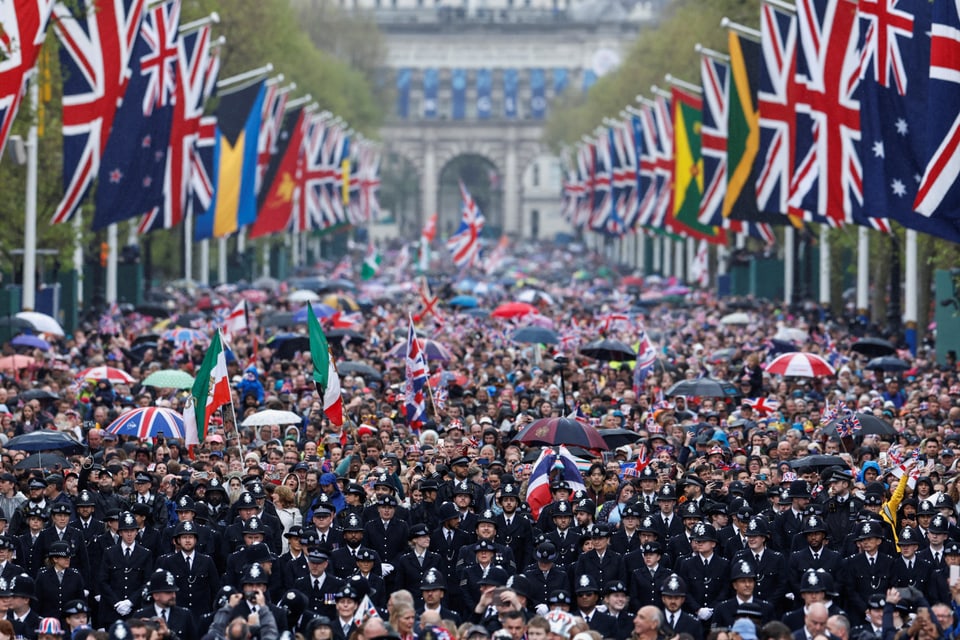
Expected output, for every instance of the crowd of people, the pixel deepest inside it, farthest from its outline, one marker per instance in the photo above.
(751, 515)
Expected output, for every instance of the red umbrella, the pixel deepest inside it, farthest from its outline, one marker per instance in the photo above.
(514, 310)
(447, 378)
(801, 365)
(553, 431)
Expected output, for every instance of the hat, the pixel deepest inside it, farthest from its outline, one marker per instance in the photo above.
(876, 601)
(128, 522)
(353, 523)
(447, 511)
(508, 490)
(939, 524)
(667, 492)
(37, 483)
(487, 516)
(840, 475)
(85, 499)
(600, 530)
(872, 500)
(691, 510)
(49, 627)
(459, 460)
(22, 586)
(162, 581)
(254, 573)
(694, 480)
(586, 583)
(673, 586)
(387, 500)
(348, 592)
(749, 609)
(651, 547)
(647, 525)
(185, 527)
(813, 524)
(812, 581)
(560, 485)
(317, 555)
(60, 550)
(798, 489)
(563, 509)
(60, 508)
(74, 607)
(246, 501)
(926, 508)
(259, 553)
(585, 505)
(142, 478)
(951, 549)
(186, 504)
(476, 630)
(519, 584)
(365, 554)
(559, 597)
(418, 530)
(484, 545)
(704, 532)
(495, 576)
(758, 526)
(868, 530)
(546, 552)
(910, 535)
(433, 579)
(742, 569)
(253, 525)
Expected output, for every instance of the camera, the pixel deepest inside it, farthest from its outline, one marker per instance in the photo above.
(250, 596)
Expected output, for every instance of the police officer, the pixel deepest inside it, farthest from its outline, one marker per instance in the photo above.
(58, 583)
(564, 536)
(412, 566)
(123, 571)
(865, 573)
(770, 565)
(513, 528)
(600, 563)
(814, 554)
(705, 573)
(432, 591)
(673, 595)
(743, 577)
(86, 522)
(387, 534)
(320, 586)
(21, 594)
(587, 592)
(544, 576)
(197, 578)
(560, 492)
(646, 580)
(910, 570)
(163, 589)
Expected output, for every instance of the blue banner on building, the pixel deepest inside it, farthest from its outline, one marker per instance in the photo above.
(459, 83)
(538, 94)
(403, 93)
(589, 79)
(431, 81)
(484, 83)
(559, 81)
(510, 82)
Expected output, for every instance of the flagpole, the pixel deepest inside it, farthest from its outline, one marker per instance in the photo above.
(222, 260)
(711, 53)
(111, 288)
(788, 264)
(246, 76)
(910, 304)
(78, 252)
(196, 25)
(29, 293)
(744, 31)
(863, 273)
(188, 246)
(205, 261)
(824, 266)
(682, 84)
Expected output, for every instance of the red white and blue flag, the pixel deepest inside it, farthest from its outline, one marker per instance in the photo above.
(271, 120)
(714, 76)
(23, 25)
(663, 164)
(646, 138)
(538, 488)
(369, 170)
(464, 244)
(148, 422)
(414, 395)
(776, 99)
(131, 177)
(646, 359)
(198, 65)
(97, 41)
(939, 193)
(827, 183)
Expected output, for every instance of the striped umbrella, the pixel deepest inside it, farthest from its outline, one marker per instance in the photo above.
(103, 372)
(183, 336)
(148, 422)
(800, 364)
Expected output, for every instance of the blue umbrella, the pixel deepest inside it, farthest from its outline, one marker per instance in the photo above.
(148, 422)
(464, 301)
(535, 335)
(479, 312)
(30, 341)
(320, 309)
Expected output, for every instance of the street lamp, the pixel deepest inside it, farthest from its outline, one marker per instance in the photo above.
(561, 361)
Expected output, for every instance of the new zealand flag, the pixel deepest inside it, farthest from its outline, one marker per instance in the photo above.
(132, 170)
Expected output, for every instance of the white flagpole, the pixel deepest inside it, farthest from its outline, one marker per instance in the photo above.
(29, 294)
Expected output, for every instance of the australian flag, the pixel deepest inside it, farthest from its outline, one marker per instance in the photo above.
(133, 167)
(893, 120)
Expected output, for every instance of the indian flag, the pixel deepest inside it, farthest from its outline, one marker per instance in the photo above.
(211, 390)
(324, 372)
(371, 263)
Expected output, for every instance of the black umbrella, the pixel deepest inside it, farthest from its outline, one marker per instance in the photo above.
(278, 319)
(608, 350)
(664, 366)
(287, 345)
(869, 425)
(535, 335)
(38, 394)
(888, 363)
(359, 368)
(187, 319)
(553, 431)
(45, 441)
(146, 337)
(704, 388)
(817, 462)
(338, 335)
(153, 309)
(619, 437)
(46, 461)
(15, 324)
(874, 347)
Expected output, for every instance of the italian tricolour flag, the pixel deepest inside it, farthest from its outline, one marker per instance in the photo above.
(211, 390)
(324, 372)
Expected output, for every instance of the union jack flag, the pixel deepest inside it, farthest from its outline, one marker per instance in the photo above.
(198, 66)
(570, 336)
(602, 183)
(646, 137)
(939, 192)
(202, 166)
(714, 76)
(96, 45)
(827, 184)
(572, 191)
(415, 381)
(776, 101)
(625, 203)
(464, 244)
(271, 119)
(369, 163)
(663, 163)
(327, 181)
(586, 167)
(23, 26)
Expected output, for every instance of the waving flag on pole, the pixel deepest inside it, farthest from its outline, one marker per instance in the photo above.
(238, 320)
(23, 25)
(464, 244)
(646, 359)
(324, 372)
(371, 262)
(97, 40)
(538, 488)
(211, 390)
(939, 192)
(415, 399)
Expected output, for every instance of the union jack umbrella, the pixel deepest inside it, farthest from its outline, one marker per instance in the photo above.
(111, 374)
(148, 422)
(183, 336)
(801, 365)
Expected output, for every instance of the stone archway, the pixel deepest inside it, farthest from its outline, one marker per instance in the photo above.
(400, 191)
(482, 179)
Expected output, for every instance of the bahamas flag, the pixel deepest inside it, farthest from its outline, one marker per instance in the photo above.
(688, 169)
(234, 201)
